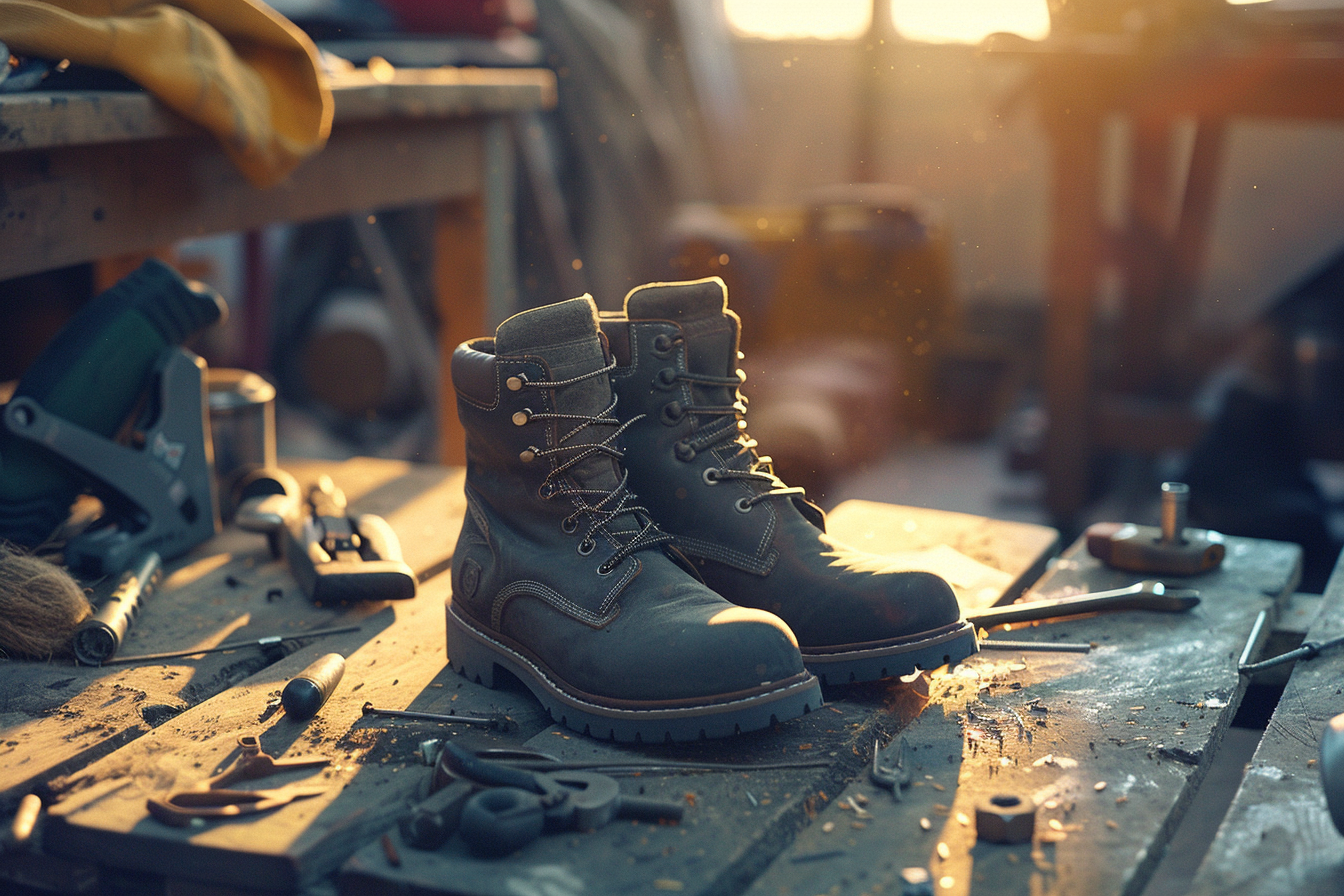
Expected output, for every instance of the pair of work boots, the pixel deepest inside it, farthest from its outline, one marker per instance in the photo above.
(629, 556)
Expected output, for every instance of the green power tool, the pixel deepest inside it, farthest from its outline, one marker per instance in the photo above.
(94, 375)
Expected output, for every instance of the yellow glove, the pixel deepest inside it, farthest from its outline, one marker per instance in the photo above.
(237, 67)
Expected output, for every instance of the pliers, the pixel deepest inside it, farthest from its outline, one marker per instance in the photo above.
(212, 798)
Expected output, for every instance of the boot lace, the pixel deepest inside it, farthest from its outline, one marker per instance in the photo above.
(727, 426)
(600, 506)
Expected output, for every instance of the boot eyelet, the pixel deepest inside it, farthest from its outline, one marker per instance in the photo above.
(673, 413)
(742, 505)
(520, 418)
(662, 345)
(569, 525)
(514, 383)
(711, 476)
(547, 490)
(684, 451)
(528, 454)
(606, 568)
(666, 378)
(586, 547)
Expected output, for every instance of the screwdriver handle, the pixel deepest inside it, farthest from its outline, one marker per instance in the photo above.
(309, 691)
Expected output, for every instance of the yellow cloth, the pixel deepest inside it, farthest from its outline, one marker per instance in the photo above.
(237, 67)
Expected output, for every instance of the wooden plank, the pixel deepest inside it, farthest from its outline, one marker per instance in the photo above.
(46, 119)
(736, 823)
(986, 561)
(1277, 836)
(1142, 714)
(395, 661)
(56, 717)
(102, 816)
(63, 206)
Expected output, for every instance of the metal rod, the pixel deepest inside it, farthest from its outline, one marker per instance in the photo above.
(499, 723)
(1253, 640)
(1175, 507)
(1308, 650)
(1044, 646)
(268, 641)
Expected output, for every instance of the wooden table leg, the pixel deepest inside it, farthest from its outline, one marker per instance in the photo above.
(1075, 253)
(459, 289)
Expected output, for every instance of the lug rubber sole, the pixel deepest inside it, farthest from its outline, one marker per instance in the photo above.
(871, 662)
(477, 656)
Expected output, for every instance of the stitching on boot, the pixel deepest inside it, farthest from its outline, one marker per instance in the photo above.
(552, 597)
(477, 516)
(711, 550)
(768, 534)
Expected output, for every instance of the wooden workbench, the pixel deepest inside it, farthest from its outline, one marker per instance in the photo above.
(1141, 713)
(93, 174)
(1277, 836)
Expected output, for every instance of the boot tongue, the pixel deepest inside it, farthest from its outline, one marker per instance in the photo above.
(565, 336)
(700, 307)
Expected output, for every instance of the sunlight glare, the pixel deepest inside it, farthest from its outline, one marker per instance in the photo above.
(784, 19)
(969, 21)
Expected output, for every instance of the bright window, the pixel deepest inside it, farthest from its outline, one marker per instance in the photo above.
(934, 21)
(968, 21)
(783, 19)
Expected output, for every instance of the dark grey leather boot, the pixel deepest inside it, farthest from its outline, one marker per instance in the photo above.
(754, 540)
(562, 579)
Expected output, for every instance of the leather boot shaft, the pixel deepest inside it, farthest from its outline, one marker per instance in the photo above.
(561, 578)
(754, 539)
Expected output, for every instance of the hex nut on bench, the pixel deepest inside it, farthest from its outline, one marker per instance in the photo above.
(1005, 818)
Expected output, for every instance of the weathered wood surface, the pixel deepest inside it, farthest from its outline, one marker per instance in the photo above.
(58, 717)
(1277, 836)
(92, 175)
(738, 823)
(43, 119)
(986, 561)
(1141, 714)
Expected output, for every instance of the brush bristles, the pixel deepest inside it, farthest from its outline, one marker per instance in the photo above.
(40, 606)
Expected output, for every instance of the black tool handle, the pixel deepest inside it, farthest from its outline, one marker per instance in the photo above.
(464, 763)
(309, 691)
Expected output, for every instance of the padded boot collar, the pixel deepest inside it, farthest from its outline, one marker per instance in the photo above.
(700, 308)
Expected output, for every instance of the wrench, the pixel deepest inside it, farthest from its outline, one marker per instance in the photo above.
(1145, 595)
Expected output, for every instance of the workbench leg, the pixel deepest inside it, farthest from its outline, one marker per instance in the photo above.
(1075, 253)
(460, 300)
(475, 273)
(1147, 259)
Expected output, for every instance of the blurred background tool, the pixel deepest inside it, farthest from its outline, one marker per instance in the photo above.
(242, 429)
(93, 376)
(1173, 549)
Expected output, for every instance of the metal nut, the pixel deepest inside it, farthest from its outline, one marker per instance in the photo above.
(1005, 818)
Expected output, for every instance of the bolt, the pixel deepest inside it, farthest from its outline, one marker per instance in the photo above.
(1175, 502)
